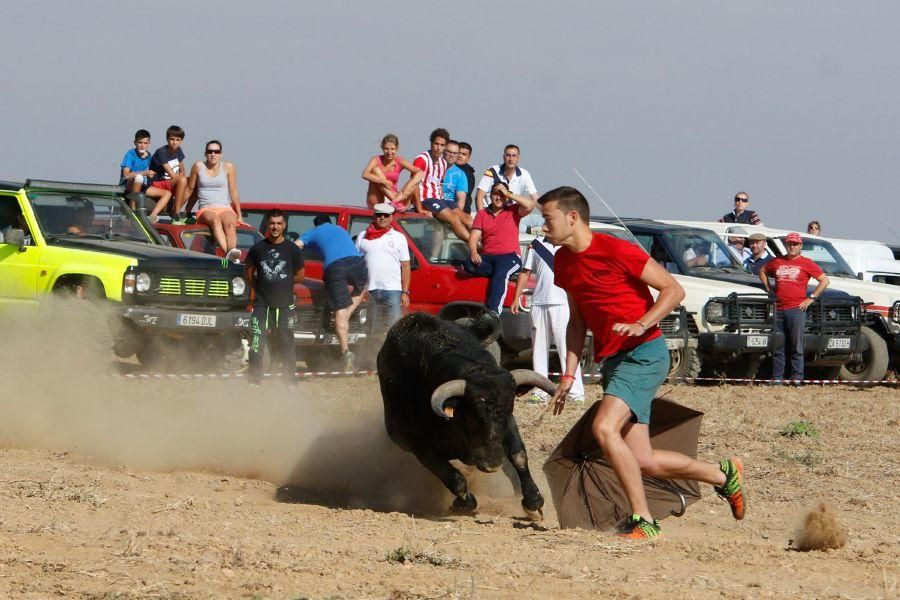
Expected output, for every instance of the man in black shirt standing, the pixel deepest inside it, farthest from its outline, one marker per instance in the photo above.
(741, 214)
(462, 161)
(273, 265)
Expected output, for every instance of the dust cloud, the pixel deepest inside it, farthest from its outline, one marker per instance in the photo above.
(323, 441)
(820, 530)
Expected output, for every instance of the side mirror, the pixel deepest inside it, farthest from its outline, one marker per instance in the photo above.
(15, 237)
(859, 276)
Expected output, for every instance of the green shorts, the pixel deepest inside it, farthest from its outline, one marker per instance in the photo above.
(635, 375)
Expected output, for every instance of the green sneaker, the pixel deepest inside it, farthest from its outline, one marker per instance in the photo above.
(639, 528)
(733, 488)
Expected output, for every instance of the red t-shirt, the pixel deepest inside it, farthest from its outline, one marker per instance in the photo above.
(791, 278)
(605, 282)
(500, 232)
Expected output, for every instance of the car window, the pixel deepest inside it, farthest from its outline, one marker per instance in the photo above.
(297, 223)
(86, 215)
(11, 217)
(824, 255)
(700, 252)
(435, 240)
(358, 224)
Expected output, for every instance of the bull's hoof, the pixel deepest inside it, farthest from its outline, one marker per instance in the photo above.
(465, 505)
(536, 515)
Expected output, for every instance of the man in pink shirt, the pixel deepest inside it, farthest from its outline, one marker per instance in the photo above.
(497, 228)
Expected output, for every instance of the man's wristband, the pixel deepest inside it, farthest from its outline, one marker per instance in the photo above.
(405, 292)
(641, 323)
(567, 376)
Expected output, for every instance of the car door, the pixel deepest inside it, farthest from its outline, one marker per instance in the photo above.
(19, 265)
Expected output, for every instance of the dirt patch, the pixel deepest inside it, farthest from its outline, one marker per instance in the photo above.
(187, 488)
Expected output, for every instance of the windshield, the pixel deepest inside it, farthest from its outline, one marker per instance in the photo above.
(823, 254)
(200, 240)
(701, 252)
(435, 240)
(83, 215)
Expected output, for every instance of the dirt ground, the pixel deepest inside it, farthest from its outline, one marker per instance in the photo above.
(205, 488)
(187, 488)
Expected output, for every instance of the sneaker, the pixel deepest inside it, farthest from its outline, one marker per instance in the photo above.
(537, 397)
(179, 219)
(733, 488)
(639, 528)
(153, 218)
(234, 255)
(348, 360)
(576, 400)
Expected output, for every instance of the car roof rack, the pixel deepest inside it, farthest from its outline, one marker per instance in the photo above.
(68, 186)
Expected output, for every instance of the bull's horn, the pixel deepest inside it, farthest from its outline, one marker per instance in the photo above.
(529, 377)
(444, 392)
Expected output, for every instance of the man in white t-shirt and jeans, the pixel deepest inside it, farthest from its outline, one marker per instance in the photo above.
(517, 179)
(549, 315)
(387, 258)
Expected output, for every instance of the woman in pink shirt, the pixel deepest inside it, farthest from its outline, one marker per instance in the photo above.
(383, 175)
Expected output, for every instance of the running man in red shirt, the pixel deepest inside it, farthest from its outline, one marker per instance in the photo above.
(608, 283)
(792, 274)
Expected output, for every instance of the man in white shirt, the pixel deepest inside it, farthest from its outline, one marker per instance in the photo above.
(518, 181)
(549, 315)
(387, 258)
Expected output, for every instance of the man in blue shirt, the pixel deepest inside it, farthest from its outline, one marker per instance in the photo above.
(342, 266)
(456, 184)
(759, 254)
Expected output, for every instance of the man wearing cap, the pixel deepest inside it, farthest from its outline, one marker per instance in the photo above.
(497, 228)
(759, 253)
(387, 258)
(736, 243)
(518, 181)
(741, 214)
(792, 273)
(343, 268)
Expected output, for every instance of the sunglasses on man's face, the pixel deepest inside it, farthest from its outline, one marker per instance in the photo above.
(213, 151)
(742, 199)
(381, 216)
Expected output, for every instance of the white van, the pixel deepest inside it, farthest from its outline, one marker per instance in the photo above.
(871, 261)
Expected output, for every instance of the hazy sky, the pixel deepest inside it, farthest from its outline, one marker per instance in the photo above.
(667, 108)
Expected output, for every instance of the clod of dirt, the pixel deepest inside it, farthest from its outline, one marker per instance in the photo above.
(821, 530)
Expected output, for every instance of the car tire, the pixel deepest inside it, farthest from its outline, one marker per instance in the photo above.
(685, 365)
(874, 363)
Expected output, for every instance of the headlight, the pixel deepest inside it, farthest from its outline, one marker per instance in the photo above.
(363, 315)
(142, 283)
(715, 311)
(238, 286)
(128, 283)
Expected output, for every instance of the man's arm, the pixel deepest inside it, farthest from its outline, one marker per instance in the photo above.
(404, 283)
(670, 296)
(526, 203)
(765, 280)
(575, 333)
(300, 274)
(521, 280)
(250, 275)
(474, 238)
(823, 283)
(416, 175)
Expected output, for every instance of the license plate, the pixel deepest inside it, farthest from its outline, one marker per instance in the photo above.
(757, 341)
(838, 344)
(674, 343)
(190, 320)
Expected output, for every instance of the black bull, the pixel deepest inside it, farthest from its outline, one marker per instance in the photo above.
(446, 398)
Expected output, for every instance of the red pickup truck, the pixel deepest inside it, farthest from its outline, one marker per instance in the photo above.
(438, 286)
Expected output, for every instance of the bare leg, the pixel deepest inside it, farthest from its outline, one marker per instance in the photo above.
(374, 195)
(666, 464)
(162, 196)
(229, 224)
(214, 223)
(450, 218)
(179, 182)
(464, 217)
(342, 321)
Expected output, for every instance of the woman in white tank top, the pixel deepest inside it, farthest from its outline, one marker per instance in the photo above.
(218, 203)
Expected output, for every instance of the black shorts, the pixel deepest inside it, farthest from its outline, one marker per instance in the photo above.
(349, 271)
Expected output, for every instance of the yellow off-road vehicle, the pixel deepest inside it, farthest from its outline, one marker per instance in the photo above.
(59, 238)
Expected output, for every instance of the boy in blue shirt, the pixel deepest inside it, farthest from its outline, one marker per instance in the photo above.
(455, 184)
(136, 175)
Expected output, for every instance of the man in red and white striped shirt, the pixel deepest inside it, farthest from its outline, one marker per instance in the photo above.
(430, 197)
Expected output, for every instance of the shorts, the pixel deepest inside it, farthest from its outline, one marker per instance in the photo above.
(216, 210)
(436, 206)
(163, 184)
(350, 270)
(144, 181)
(635, 375)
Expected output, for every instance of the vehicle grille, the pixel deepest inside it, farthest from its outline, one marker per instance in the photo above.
(308, 320)
(750, 311)
(174, 286)
(669, 324)
(832, 314)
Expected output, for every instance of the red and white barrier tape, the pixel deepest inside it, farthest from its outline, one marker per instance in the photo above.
(332, 374)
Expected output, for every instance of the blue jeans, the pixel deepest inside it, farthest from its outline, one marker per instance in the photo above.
(791, 322)
(499, 267)
(386, 308)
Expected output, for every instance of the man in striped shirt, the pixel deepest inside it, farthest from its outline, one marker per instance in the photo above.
(430, 198)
